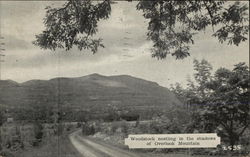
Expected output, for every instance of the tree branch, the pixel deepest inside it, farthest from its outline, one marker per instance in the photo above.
(210, 14)
(77, 11)
(66, 6)
(242, 131)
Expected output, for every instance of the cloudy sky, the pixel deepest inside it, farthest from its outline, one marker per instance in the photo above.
(20, 21)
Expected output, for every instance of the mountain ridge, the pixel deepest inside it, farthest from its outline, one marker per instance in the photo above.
(94, 92)
(85, 76)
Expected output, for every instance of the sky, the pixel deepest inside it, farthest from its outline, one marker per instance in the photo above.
(20, 21)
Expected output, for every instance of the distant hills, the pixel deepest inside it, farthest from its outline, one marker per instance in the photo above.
(88, 92)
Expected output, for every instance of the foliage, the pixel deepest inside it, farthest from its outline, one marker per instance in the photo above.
(228, 104)
(202, 75)
(218, 103)
(196, 90)
(2, 117)
(50, 148)
(172, 24)
(163, 124)
(6, 153)
(170, 121)
(88, 129)
(179, 91)
(58, 128)
(73, 24)
(113, 113)
(38, 132)
(2, 120)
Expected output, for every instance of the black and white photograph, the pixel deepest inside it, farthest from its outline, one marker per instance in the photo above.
(124, 78)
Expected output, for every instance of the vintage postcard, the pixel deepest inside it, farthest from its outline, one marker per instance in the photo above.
(124, 78)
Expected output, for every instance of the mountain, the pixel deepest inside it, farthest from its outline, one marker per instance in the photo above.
(91, 92)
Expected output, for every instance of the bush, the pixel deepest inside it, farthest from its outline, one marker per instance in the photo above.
(38, 132)
(6, 153)
(69, 127)
(58, 129)
(12, 140)
(88, 129)
(79, 124)
(119, 127)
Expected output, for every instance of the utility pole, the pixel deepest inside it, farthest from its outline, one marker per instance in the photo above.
(1, 57)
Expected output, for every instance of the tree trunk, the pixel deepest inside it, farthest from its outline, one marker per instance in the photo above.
(232, 143)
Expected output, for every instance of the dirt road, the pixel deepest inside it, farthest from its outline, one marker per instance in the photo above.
(90, 148)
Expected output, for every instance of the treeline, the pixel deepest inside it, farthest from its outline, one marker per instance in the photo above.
(44, 113)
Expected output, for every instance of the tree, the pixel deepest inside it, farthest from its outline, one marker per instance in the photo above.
(73, 24)
(179, 91)
(172, 24)
(222, 100)
(201, 76)
(196, 90)
(38, 132)
(195, 96)
(2, 117)
(2, 121)
(228, 103)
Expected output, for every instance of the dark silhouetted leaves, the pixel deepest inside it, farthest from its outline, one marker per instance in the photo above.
(172, 24)
(219, 103)
(73, 24)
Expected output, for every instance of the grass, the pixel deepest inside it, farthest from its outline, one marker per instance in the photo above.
(53, 147)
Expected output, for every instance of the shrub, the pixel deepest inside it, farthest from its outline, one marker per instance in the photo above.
(88, 129)
(6, 153)
(38, 132)
(59, 129)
